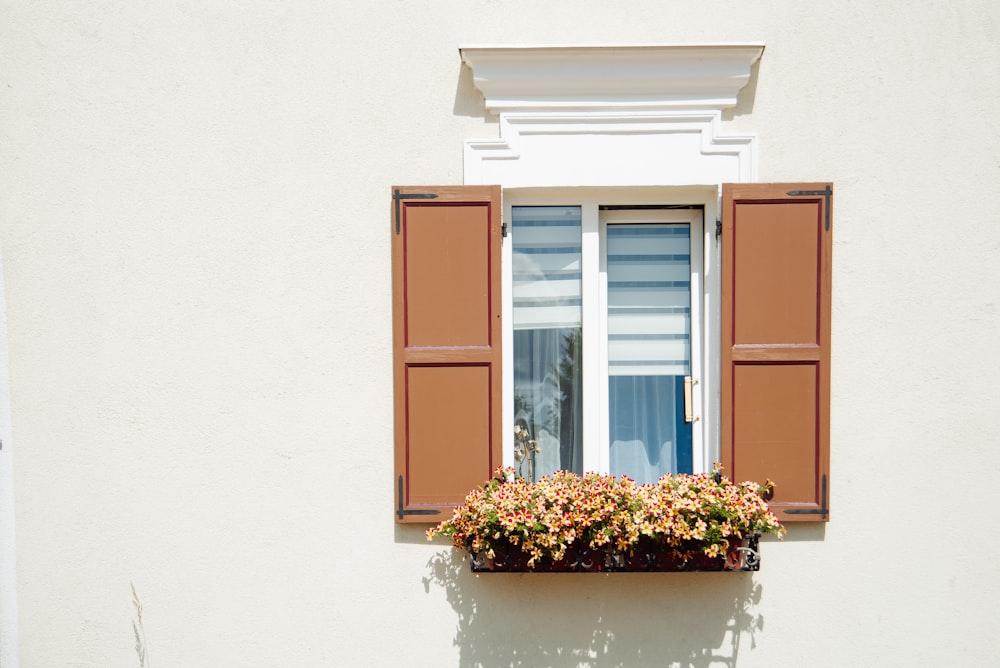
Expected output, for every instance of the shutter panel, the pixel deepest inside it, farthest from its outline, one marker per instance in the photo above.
(776, 255)
(446, 346)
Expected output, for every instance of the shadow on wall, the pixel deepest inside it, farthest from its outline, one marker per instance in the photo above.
(597, 619)
(468, 100)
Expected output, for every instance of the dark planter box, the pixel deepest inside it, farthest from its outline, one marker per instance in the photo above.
(648, 556)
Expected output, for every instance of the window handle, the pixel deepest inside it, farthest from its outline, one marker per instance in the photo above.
(689, 384)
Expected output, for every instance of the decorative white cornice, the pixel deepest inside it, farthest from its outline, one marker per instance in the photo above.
(611, 116)
(589, 148)
(611, 78)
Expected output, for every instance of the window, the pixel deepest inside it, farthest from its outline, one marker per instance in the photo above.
(637, 352)
(481, 340)
(601, 328)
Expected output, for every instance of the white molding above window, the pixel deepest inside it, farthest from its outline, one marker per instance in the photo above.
(611, 77)
(610, 116)
(616, 125)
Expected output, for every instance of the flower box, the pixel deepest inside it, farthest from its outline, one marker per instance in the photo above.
(599, 523)
(646, 557)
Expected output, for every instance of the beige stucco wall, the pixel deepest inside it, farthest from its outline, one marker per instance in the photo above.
(195, 235)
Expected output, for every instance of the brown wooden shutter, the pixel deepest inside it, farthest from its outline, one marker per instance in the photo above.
(446, 345)
(776, 254)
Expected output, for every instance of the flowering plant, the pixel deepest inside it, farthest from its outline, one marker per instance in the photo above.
(682, 513)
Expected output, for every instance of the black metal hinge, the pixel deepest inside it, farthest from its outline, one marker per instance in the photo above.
(718, 228)
(828, 193)
(397, 196)
(503, 230)
(822, 511)
(402, 512)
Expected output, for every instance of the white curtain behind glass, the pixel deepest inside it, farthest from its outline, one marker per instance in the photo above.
(547, 320)
(649, 331)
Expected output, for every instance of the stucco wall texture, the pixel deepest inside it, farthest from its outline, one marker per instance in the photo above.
(194, 221)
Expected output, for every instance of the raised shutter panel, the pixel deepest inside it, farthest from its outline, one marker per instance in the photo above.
(446, 345)
(776, 263)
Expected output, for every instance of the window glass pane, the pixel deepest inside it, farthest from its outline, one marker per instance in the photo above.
(649, 348)
(547, 332)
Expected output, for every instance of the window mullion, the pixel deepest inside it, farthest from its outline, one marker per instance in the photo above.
(700, 461)
(595, 349)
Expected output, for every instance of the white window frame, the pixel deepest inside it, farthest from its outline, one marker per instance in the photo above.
(693, 218)
(594, 352)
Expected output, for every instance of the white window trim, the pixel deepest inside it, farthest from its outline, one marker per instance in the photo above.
(705, 291)
(616, 125)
